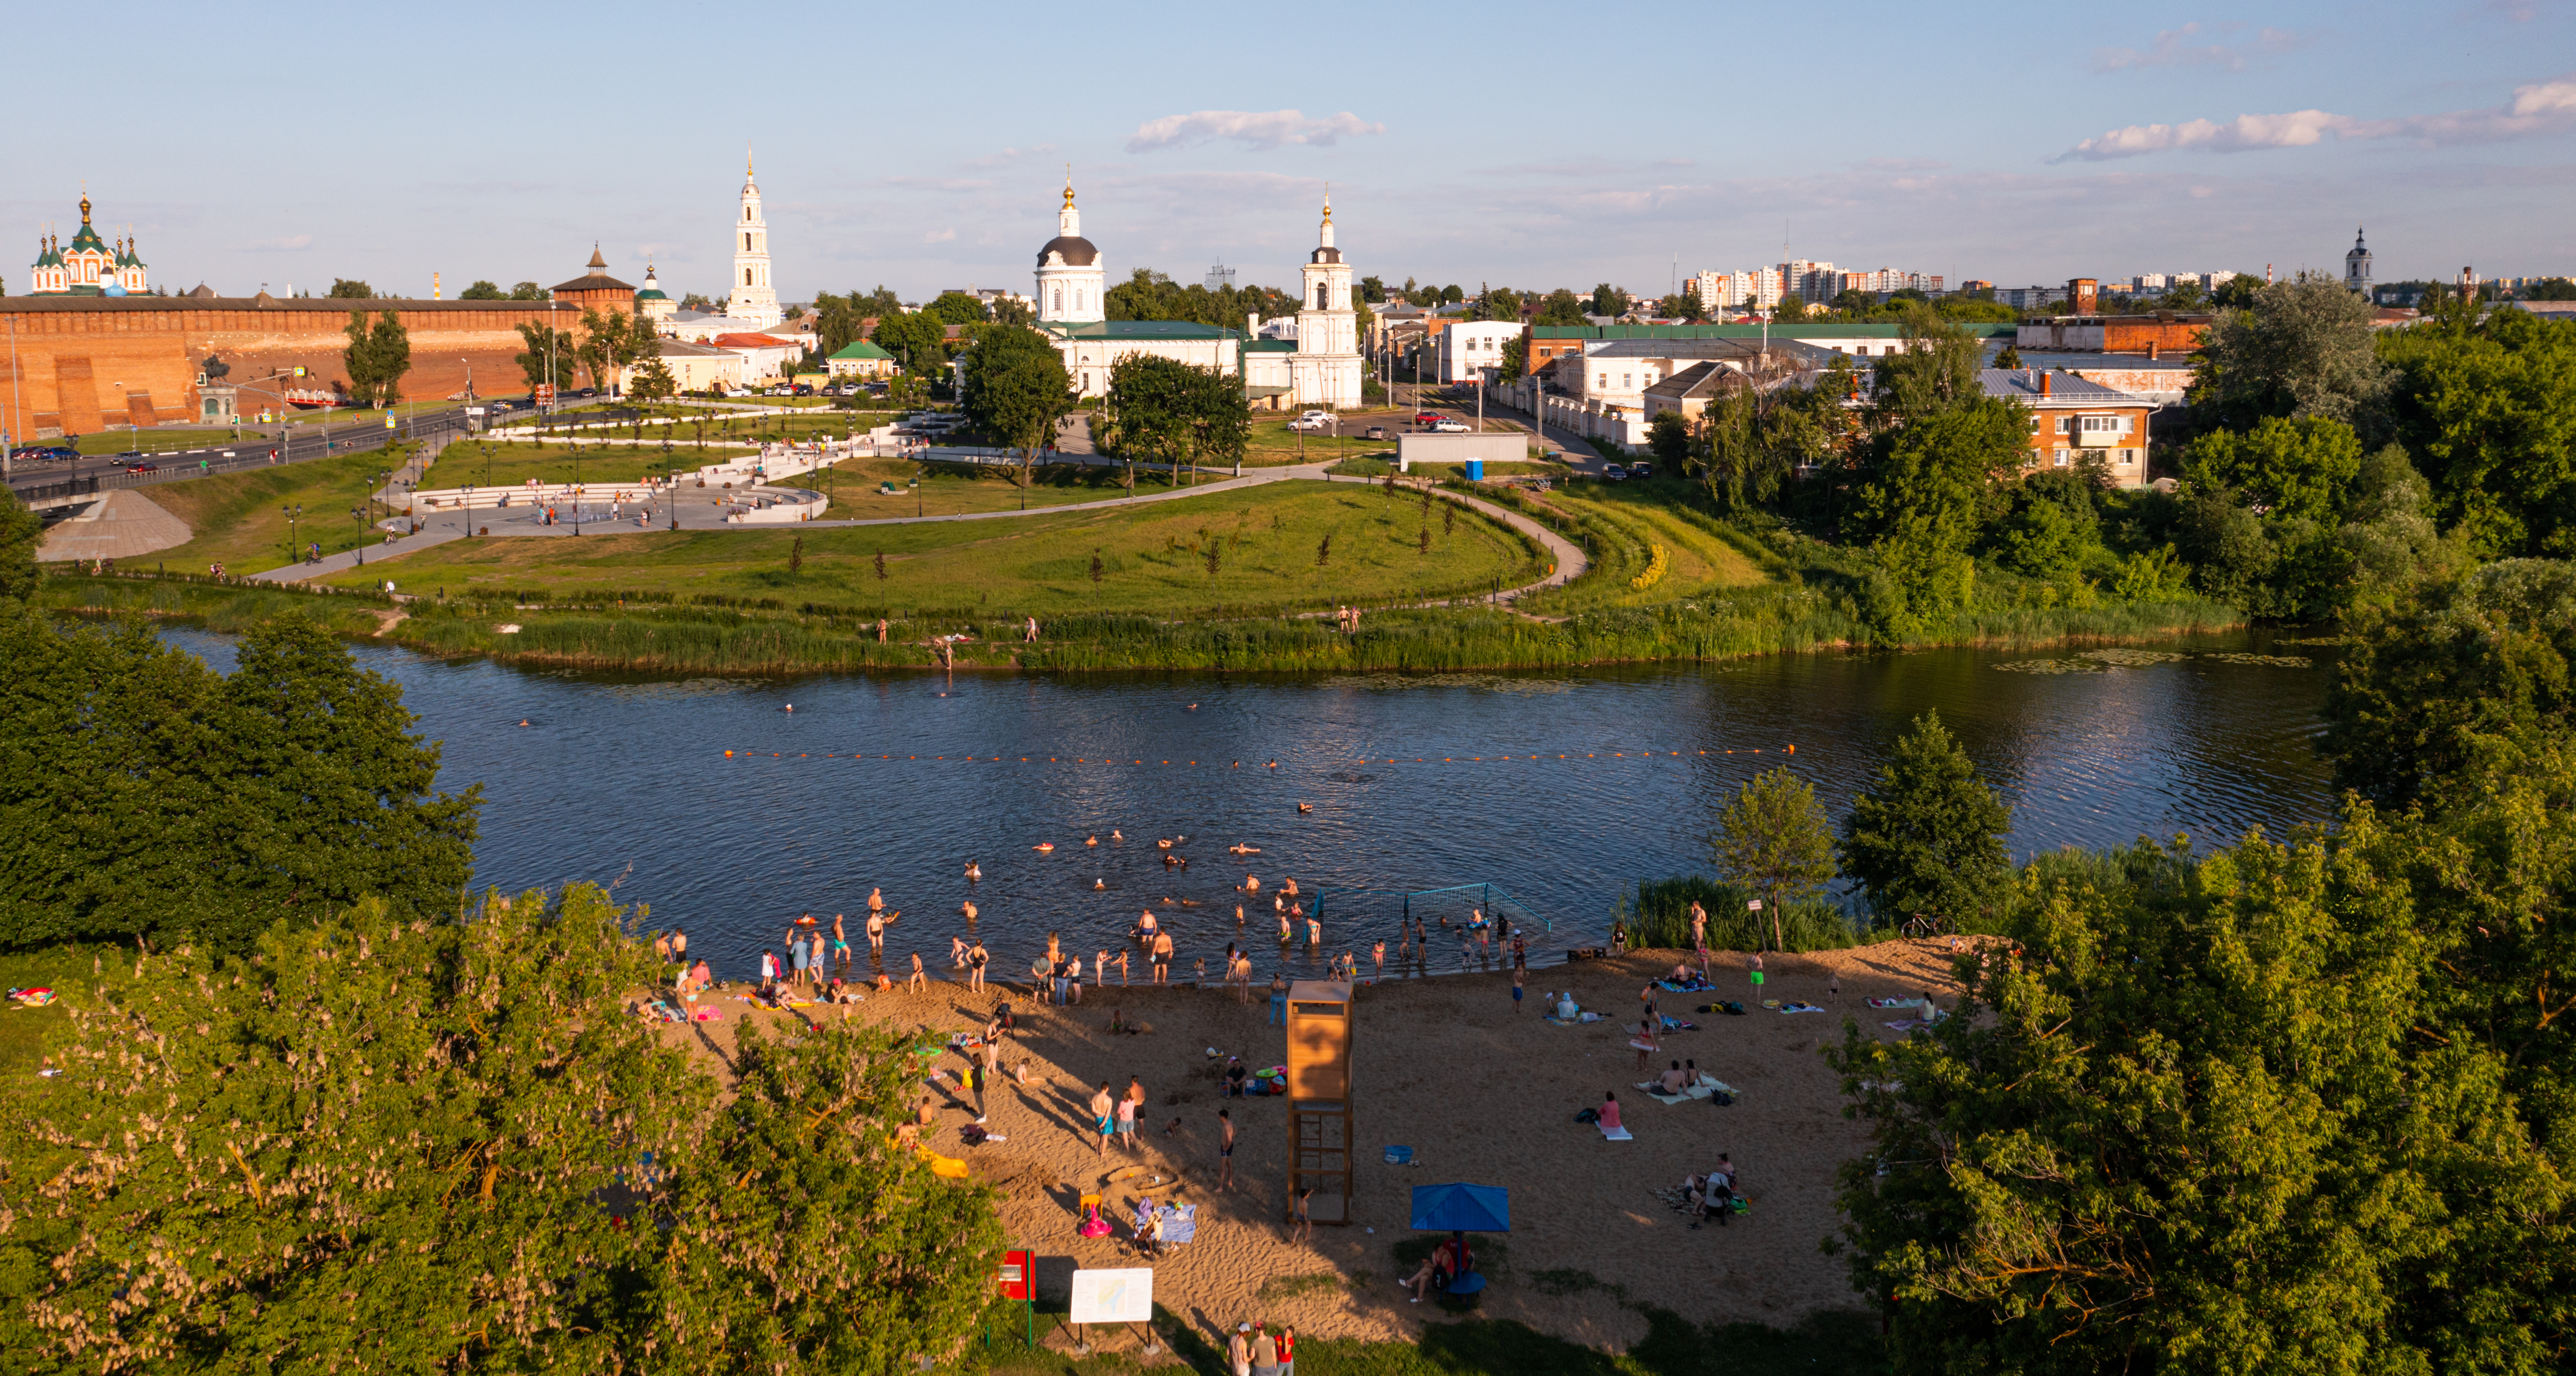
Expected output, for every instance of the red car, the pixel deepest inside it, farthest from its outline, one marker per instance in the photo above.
(143, 468)
(1429, 418)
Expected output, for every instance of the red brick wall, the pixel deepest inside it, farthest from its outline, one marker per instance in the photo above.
(2132, 335)
(81, 368)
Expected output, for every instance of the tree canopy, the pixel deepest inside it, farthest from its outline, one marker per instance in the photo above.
(1016, 389)
(1774, 840)
(376, 359)
(152, 797)
(2303, 348)
(1928, 835)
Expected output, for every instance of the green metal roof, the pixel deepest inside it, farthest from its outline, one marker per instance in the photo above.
(1827, 331)
(1137, 329)
(1270, 346)
(862, 349)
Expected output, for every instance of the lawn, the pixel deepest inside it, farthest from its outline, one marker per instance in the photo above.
(950, 488)
(1150, 559)
(153, 439)
(507, 463)
(1625, 521)
(235, 518)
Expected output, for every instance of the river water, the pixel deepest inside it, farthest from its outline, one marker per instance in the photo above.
(625, 778)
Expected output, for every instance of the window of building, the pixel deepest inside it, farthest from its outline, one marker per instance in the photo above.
(1605, 382)
(1627, 380)
(1059, 300)
(746, 277)
(2060, 456)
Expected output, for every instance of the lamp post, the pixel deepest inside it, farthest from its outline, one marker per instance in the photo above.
(469, 378)
(294, 542)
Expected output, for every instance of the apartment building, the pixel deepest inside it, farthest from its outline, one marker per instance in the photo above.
(2072, 418)
(1468, 347)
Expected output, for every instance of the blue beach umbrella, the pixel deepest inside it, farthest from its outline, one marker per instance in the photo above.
(1459, 1210)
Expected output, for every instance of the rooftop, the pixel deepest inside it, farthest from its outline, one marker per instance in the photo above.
(1136, 329)
(2064, 389)
(861, 348)
(1835, 331)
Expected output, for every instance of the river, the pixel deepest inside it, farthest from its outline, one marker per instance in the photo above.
(624, 778)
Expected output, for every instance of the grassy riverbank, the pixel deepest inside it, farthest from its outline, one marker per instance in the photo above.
(774, 635)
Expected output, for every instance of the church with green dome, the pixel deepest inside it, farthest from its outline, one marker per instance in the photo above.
(90, 266)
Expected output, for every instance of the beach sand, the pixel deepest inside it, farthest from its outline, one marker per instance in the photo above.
(1442, 1065)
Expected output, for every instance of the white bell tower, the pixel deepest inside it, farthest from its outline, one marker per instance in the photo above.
(752, 297)
(1325, 370)
(1072, 284)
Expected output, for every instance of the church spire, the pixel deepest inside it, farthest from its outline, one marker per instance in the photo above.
(1068, 221)
(1325, 237)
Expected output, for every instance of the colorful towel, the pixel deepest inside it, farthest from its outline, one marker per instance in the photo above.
(1617, 1135)
(1895, 1003)
(1708, 1085)
(1793, 1006)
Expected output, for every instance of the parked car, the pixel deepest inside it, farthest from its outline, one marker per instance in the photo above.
(1312, 420)
(1446, 426)
(1375, 432)
(1614, 473)
(1641, 470)
(1428, 418)
(143, 468)
(802, 389)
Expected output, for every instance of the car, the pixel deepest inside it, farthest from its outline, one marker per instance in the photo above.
(1311, 420)
(1428, 418)
(1375, 432)
(1614, 473)
(802, 389)
(1641, 470)
(1446, 426)
(143, 468)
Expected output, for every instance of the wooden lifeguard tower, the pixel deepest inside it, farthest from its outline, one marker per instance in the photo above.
(1319, 1097)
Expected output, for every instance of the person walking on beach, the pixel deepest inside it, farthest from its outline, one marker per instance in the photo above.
(840, 947)
(1287, 1345)
(920, 982)
(1129, 1105)
(1103, 1116)
(976, 959)
(1301, 1216)
(1238, 1350)
(1699, 926)
(1162, 957)
(1378, 954)
(1278, 999)
(1224, 1150)
(1516, 992)
(1520, 951)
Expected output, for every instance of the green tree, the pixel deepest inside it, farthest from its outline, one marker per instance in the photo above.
(2293, 468)
(1922, 500)
(917, 339)
(1016, 390)
(376, 359)
(957, 308)
(2171, 1127)
(1668, 438)
(1515, 357)
(2050, 525)
(1372, 290)
(527, 291)
(21, 532)
(1562, 307)
(2460, 683)
(1609, 300)
(156, 798)
(2303, 348)
(2488, 404)
(1775, 840)
(653, 381)
(1936, 371)
(1682, 305)
(1790, 310)
(342, 289)
(482, 291)
(550, 356)
(693, 301)
(1928, 836)
(2550, 289)
(1011, 310)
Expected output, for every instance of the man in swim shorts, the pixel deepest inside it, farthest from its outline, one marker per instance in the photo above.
(1104, 1116)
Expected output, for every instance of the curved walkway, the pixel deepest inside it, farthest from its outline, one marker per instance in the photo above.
(1567, 556)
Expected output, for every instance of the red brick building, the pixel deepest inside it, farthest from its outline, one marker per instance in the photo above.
(77, 364)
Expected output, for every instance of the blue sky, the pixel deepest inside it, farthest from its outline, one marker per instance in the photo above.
(1529, 145)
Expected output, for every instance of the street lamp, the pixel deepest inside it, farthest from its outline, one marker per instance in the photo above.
(294, 542)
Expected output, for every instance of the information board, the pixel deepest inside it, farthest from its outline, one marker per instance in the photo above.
(1113, 1296)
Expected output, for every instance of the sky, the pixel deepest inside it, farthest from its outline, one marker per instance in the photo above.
(925, 147)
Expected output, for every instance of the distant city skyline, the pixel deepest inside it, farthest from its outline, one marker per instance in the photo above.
(2033, 145)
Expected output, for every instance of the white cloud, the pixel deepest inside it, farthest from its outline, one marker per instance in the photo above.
(2182, 48)
(939, 236)
(1262, 131)
(2540, 107)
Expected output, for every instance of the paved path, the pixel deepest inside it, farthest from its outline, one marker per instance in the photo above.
(1565, 554)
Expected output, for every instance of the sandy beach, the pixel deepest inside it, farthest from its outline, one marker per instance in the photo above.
(1480, 1093)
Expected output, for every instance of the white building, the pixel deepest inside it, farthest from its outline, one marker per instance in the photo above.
(1326, 369)
(653, 303)
(1073, 287)
(1470, 346)
(696, 367)
(753, 299)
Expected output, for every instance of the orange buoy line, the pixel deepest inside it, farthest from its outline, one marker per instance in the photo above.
(1237, 764)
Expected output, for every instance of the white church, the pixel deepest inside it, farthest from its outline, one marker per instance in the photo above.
(1320, 367)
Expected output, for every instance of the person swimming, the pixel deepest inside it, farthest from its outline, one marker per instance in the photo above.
(1116, 835)
(1043, 845)
(523, 721)
(1241, 849)
(788, 708)
(1163, 844)
(1091, 840)
(973, 870)
(1098, 884)
(1305, 807)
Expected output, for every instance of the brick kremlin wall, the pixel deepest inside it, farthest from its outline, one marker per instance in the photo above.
(74, 365)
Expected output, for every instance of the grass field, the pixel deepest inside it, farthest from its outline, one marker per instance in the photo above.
(235, 518)
(1624, 523)
(511, 462)
(948, 489)
(1153, 559)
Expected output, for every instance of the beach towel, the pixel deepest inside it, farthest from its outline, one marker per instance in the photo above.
(1708, 1085)
(1895, 1003)
(709, 1014)
(1673, 1024)
(1677, 987)
(1180, 1223)
(1729, 1007)
(1794, 1006)
(1617, 1135)
(31, 998)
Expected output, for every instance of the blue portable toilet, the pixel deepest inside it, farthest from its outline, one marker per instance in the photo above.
(1475, 470)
